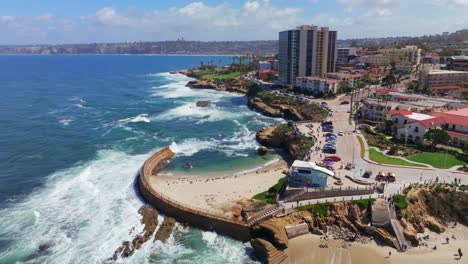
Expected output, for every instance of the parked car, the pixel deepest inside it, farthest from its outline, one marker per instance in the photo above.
(380, 176)
(340, 133)
(391, 177)
(344, 102)
(329, 151)
(367, 174)
(333, 158)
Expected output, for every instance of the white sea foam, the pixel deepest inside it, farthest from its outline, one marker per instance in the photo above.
(177, 89)
(236, 146)
(78, 99)
(190, 111)
(139, 118)
(83, 213)
(65, 122)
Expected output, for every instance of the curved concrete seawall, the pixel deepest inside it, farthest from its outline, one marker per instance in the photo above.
(182, 212)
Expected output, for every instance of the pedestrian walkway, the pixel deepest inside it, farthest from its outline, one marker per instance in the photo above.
(291, 205)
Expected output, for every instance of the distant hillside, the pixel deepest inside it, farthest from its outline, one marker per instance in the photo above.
(267, 47)
(458, 39)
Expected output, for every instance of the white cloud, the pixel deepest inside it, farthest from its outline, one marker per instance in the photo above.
(253, 20)
(454, 3)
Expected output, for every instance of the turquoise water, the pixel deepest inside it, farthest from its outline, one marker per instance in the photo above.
(74, 131)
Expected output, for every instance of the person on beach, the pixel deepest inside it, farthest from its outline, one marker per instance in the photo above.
(460, 254)
(389, 254)
(447, 240)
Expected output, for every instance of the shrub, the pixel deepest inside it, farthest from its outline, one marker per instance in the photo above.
(270, 195)
(413, 199)
(318, 209)
(400, 201)
(363, 203)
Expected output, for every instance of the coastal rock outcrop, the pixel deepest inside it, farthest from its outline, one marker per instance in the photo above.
(262, 150)
(284, 136)
(198, 84)
(165, 230)
(272, 230)
(203, 103)
(267, 253)
(150, 222)
(265, 109)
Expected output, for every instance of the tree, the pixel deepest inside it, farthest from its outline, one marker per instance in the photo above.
(389, 81)
(436, 136)
(342, 86)
(388, 124)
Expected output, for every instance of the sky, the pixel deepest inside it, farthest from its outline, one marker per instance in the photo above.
(98, 21)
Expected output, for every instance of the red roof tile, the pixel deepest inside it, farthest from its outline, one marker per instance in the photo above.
(400, 112)
(455, 117)
(447, 87)
(432, 122)
(456, 133)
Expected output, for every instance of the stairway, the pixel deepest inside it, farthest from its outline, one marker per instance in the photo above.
(398, 230)
(263, 215)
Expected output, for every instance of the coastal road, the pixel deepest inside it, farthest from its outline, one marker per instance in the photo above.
(349, 144)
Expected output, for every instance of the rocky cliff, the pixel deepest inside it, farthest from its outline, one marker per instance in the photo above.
(283, 136)
(432, 207)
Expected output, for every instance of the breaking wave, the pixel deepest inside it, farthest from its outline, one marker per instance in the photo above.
(139, 118)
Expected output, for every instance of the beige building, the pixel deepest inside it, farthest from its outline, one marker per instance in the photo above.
(439, 78)
(306, 51)
(405, 59)
(317, 85)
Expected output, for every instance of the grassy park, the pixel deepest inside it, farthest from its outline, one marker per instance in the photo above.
(437, 159)
(379, 157)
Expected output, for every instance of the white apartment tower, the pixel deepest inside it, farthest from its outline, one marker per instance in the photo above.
(306, 51)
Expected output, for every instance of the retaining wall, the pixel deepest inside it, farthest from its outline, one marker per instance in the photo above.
(181, 212)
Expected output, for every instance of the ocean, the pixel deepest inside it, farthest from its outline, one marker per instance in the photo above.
(74, 130)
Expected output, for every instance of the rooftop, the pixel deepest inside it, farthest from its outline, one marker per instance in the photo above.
(447, 87)
(446, 72)
(459, 58)
(419, 117)
(311, 165)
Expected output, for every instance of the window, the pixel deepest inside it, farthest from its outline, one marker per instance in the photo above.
(304, 171)
(416, 129)
(405, 122)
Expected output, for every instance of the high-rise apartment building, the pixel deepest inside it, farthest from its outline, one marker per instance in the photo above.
(306, 51)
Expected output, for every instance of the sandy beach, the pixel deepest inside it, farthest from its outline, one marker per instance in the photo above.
(219, 193)
(306, 248)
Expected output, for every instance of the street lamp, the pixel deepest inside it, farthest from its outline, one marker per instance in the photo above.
(406, 137)
(445, 158)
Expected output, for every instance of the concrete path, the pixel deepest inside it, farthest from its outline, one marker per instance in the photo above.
(348, 148)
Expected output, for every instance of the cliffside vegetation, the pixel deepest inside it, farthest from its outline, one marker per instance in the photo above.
(281, 106)
(283, 136)
(270, 195)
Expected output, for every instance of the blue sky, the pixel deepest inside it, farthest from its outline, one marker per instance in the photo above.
(85, 21)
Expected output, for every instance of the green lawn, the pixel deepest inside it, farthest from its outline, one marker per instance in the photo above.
(379, 157)
(231, 75)
(361, 142)
(437, 159)
(270, 195)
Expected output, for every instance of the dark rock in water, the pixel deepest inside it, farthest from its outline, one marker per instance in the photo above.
(203, 103)
(44, 249)
(165, 230)
(150, 220)
(267, 253)
(262, 150)
(197, 84)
